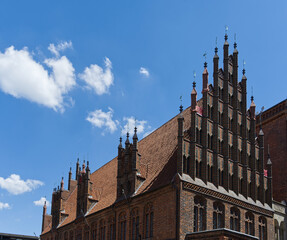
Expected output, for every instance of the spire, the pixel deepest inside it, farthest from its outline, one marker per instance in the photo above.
(84, 167)
(62, 184)
(226, 36)
(135, 137)
(120, 145)
(252, 108)
(235, 44)
(88, 170)
(216, 48)
(193, 96)
(127, 141)
(205, 78)
(77, 169)
(70, 178)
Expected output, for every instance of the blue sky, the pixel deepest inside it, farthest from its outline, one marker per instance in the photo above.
(73, 74)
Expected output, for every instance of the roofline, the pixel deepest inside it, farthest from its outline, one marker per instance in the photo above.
(18, 235)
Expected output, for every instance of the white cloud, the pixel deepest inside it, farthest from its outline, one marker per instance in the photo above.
(60, 47)
(15, 185)
(131, 122)
(41, 202)
(144, 72)
(23, 77)
(97, 78)
(101, 119)
(4, 206)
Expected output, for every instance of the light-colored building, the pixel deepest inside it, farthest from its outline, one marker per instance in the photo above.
(280, 220)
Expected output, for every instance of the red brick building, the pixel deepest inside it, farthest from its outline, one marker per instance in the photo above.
(200, 174)
(274, 126)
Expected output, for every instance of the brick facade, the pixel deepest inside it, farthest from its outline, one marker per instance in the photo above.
(202, 170)
(274, 125)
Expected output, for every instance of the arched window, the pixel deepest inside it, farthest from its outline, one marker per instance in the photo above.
(262, 228)
(102, 230)
(218, 215)
(135, 222)
(94, 232)
(235, 219)
(71, 235)
(66, 236)
(220, 177)
(199, 214)
(198, 165)
(122, 226)
(184, 164)
(112, 228)
(249, 223)
(209, 173)
(148, 221)
(276, 226)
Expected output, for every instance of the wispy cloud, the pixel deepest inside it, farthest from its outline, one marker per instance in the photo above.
(97, 78)
(41, 202)
(46, 83)
(101, 119)
(143, 71)
(131, 123)
(15, 185)
(56, 49)
(4, 206)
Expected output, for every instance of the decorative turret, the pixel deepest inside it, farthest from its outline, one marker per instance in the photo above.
(252, 108)
(62, 184)
(193, 97)
(205, 79)
(77, 169)
(269, 180)
(135, 150)
(180, 120)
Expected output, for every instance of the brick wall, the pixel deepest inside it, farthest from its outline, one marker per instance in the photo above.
(274, 126)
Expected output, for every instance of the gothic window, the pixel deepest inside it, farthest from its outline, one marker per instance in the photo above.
(209, 112)
(199, 214)
(148, 221)
(197, 135)
(71, 235)
(185, 164)
(66, 236)
(229, 123)
(135, 224)
(235, 219)
(200, 136)
(94, 232)
(212, 112)
(209, 172)
(220, 147)
(198, 166)
(229, 99)
(262, 228)
(249, 223)
(220, 177)
(122, 226)
(218, 215)
(112, 228)
(241, 129)
(102, 230)
(249, 189)
(241, 186)
(239, 156)
(209, 141)
(230, 151)
(221, 94)
(86, 235)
